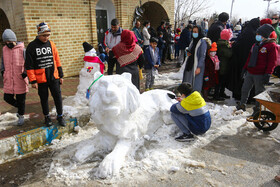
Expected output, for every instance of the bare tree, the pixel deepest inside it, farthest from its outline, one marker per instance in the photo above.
(186, 9)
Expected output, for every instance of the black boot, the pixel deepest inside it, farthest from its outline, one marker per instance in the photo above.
(61, 121)
(48, 121)
(223, 95)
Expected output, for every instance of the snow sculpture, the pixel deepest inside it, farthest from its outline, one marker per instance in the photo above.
(122, 116)
(78, 105)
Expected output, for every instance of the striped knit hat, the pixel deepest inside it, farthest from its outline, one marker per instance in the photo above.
(43, 28)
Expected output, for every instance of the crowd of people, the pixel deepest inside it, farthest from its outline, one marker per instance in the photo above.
(239, 57)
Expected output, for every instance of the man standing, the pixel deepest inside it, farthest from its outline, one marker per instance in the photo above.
(217, 27)
(275, 24)
(111, 39)
(146, 34)
(202, 24)
(137, 32)
(185, 40)
(45, 72)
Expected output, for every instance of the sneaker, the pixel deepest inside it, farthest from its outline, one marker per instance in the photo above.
(61, 121)
(223, 95)
(241, 107)
(20, 120)
(48, 121)
(185, 138)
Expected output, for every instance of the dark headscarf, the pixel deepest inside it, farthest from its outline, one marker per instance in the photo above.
(190, 60)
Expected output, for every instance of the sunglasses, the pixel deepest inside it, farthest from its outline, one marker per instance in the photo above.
(274, 18)
(45, 35)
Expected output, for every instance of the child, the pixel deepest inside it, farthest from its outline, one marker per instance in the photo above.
(260, 63)
(211, 74)
(152, 62)
(224, 53)
(190, 114)
(13, 72)
(161, 44)
(176, 39)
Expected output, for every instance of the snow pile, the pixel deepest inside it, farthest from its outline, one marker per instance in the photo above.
(138, 133)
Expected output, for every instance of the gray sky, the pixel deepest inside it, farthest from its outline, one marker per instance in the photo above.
(245, 9)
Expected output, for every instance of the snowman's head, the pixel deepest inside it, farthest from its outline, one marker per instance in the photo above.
(91, 52)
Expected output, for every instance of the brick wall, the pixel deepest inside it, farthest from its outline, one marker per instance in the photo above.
(72, 22)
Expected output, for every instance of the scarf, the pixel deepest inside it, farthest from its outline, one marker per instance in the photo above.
(254, 55)
(216, 62)
(190, 61)
(127, 51)
(95, 59)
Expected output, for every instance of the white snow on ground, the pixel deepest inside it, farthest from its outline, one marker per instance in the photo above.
(158, 153)
(155, 152)
(9, 119)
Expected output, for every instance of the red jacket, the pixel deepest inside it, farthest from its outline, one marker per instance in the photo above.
(267, 58)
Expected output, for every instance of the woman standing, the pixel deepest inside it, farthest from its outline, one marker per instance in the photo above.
(129, 56)
(195, 61)
(14, 76)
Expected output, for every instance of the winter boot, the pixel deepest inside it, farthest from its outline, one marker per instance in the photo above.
(20, 120)
(241, 107)
(61, 121)
(48, 121)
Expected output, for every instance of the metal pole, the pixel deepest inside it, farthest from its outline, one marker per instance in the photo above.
(231, 9)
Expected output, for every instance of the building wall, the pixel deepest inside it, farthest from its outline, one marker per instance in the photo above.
(72, 22)
(14, 13)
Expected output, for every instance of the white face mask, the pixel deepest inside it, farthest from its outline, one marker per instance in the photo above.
(213, 53)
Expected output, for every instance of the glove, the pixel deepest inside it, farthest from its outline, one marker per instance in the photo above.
(266, 78)
(243, 73)
(24, 75)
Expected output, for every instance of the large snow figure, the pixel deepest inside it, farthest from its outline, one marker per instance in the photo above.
(122, 116)
(78, 105)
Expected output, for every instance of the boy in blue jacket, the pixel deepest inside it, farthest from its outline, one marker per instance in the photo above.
(152, 62)
(190, 114)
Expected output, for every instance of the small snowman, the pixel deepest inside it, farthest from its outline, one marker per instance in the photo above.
(92, 65)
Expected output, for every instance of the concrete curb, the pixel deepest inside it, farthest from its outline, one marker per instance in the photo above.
(26, 142)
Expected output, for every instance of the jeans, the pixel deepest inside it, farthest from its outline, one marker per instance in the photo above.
(182, 122)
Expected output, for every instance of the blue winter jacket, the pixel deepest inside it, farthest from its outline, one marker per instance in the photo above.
(149, 60)
(193, 108)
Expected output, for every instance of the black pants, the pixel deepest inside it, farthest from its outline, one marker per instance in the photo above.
(43, 92)
(19, 102)
(220, 88)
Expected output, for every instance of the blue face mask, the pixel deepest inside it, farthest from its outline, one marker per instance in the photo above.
(195, 35)
(148, 26)
(259, 38)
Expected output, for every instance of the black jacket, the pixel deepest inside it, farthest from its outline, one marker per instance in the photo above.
(215, 31)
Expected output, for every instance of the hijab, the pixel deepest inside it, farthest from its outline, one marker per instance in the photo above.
(127, 51)
(190, 61)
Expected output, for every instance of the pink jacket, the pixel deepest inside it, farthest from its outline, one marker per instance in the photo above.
(14, 67)
(278, 59)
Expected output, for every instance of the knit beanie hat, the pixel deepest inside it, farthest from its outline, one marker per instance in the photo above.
(265, 30)
(223, 17)
(213, 47)
(226, 34)
(266, 21)
(87, 47)
(9, 36)
(43, 28)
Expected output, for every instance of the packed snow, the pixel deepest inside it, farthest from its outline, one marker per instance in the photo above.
(134, 134)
